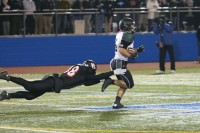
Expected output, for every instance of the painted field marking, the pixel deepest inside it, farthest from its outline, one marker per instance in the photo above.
(189, 79)
(180, 108)
(56, 130)
(110, 92)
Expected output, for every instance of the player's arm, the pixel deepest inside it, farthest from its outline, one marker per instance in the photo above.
(100, 76)
(107, 74)
(94, 79)
(126, 53)
(127, 39)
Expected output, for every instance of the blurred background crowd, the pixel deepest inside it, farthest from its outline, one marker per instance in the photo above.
(92, 16)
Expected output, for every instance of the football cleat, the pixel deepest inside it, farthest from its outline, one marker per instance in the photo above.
(160, 72)
(172, 71)
(4, 75)
(117, 105)
(4, 95)
(106, 83)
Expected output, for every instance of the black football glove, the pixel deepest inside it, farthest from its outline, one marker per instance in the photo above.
(140, 49)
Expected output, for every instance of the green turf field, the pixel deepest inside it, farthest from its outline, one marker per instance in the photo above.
(158, 103)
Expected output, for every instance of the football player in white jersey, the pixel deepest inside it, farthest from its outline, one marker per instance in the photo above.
(124, 43)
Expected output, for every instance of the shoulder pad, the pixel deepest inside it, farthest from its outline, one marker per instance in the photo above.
(128, 37)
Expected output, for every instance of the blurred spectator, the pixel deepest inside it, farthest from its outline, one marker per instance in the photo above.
(86, 4)
(182, 3)
(49, 5)
(76, 5)
(173, 3)
(143, 23)
(196, 3)
(152, 6)
(174, 19)
(29, 7)
(16, 20)
(163, 3)
(198, 38)
(182, 16)
(190, 16)
(196, 14)
(135, 4)
(82, 5)
(39, 23)
(120, 4)
(1, 28)
(4, 7)
(63, 20)
(142, 3)
(97, 21)
(107, 10)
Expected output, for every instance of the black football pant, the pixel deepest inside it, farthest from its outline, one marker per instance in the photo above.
(163, 52)
(127, 77)
(34, 88)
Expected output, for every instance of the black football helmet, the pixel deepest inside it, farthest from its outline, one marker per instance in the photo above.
(127, 24)
(91, 64)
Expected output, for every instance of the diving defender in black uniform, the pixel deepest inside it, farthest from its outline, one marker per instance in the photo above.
(76, 75)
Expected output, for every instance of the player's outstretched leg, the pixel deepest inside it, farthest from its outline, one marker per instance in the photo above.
(4, 75)
(4, 95)
(106, 83)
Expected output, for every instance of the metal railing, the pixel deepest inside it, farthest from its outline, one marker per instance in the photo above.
(97, 17)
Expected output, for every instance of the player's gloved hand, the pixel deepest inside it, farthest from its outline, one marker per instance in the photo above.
(140, 49)
(119, 71)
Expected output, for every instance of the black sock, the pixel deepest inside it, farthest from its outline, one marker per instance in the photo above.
(118, 99)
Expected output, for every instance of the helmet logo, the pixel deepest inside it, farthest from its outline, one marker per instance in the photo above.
(93, 66)
(90, 63)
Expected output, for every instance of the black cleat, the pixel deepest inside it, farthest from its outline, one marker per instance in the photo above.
(4, 95)
(117, 105)
(4, 75)
(106, 83)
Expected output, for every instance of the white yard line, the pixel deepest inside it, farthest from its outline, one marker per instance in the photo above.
(85, 130)
(32, 129)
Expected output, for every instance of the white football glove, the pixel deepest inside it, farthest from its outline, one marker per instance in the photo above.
(119, 71)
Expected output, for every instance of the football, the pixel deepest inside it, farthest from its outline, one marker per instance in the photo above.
(133, 52)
